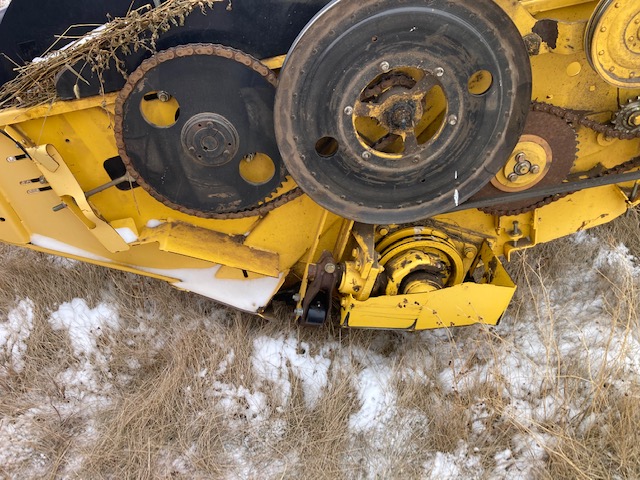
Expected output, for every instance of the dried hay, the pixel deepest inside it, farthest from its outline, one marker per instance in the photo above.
(139, 29)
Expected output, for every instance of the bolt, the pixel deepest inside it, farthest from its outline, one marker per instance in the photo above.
(512, 177)
(384, 66)
(534, 169)
(516, 229)
(452, 119)
(298, 312)
(296, 297)
(366, 155)
(523, 167)
(163, 96)
(383, 230)
(330, 268)
(11, 159)
(469, 252)
(439, 71)
(521, 157)
(348, 110)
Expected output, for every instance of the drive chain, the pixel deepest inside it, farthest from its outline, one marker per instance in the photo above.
(573, 118)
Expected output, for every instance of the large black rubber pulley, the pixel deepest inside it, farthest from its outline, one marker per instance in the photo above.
(392, 111)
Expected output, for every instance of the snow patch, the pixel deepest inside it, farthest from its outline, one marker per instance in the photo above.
(275, 360)
(128, 235)
(58, 246)
(15, 332)
(249, 295)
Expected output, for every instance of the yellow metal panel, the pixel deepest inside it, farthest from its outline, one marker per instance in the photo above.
(290, 230)
(536, 6)
(18, 115)
(185, 239)
(461, 305)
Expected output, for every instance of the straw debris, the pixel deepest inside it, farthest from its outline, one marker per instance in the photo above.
(98, 50)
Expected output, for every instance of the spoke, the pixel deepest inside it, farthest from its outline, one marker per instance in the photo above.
(363, 109)
(385, 142)
(410, 144)
(421, 88)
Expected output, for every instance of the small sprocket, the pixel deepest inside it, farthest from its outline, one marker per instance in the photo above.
(627, 119)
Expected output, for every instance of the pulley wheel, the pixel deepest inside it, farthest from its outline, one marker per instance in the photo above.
(390, 112)
(612, 42)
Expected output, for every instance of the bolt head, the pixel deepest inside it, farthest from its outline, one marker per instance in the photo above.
(512, 177)
(366, 155)
(298, 312)
(385, 67)
(296, 297)
(348, 110)
(330, 267)
(439, 71)
(452, 119)
(163, 96)
(535, 169)
(522, 168)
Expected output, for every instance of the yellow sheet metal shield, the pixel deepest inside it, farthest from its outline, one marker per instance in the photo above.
(463, 304)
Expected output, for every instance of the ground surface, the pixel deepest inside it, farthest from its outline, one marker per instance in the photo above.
(104, 374)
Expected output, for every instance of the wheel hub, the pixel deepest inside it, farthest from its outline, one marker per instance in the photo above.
(612, 42)
(210, 139)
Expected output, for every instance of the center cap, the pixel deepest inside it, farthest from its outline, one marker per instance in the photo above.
(210, 139)
(401, 116)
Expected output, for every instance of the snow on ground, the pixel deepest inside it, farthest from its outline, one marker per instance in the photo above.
(520, 359)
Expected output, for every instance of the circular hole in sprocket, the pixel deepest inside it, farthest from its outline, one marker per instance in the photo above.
(257, 168)
(159, 109)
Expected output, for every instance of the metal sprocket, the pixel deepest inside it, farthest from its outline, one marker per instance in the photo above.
(627, 119)
(188, 123)
(561, 138)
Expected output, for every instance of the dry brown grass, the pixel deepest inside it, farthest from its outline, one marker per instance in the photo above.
(451, 390)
